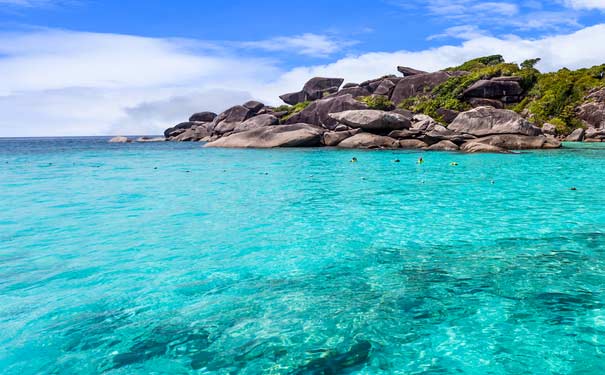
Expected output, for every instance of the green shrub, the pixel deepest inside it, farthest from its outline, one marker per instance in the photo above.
(294, 109)
(557, 95)
(377, 102)
(479, 63)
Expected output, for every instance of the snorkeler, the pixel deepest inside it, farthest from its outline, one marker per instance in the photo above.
(354, 160)
(420, 160)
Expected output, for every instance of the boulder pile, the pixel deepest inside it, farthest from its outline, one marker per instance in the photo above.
(324, 114)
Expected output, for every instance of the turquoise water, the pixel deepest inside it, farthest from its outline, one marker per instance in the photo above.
(170, 258)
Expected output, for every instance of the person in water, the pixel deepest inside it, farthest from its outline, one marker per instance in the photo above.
(354, 160)
(420, 160)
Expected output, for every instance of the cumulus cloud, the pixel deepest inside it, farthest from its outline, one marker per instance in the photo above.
(73, 83)
(586, 4)
(305, 44)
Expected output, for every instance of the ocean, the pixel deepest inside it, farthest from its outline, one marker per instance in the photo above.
(172, 258)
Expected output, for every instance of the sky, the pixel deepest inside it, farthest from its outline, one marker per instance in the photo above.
(105, 67)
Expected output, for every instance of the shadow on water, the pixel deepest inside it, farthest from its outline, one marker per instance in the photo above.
(332, 362)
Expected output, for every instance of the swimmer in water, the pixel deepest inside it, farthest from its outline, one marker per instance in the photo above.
(420, 160)
(354, 160)
(453, 164)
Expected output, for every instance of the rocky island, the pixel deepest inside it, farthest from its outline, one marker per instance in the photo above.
(483, 105)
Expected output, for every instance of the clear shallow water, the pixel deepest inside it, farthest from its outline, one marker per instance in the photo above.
(299, 262)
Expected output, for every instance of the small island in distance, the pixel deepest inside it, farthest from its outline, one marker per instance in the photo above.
(483, 105)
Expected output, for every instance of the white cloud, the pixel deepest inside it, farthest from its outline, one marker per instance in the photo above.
(586, 4)
(305, 44)
(73, 83)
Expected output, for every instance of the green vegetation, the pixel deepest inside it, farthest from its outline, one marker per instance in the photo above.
(291, 109)
(555, 96)
(377, 102)
(448, 95)
(550, 97)
(479, 63)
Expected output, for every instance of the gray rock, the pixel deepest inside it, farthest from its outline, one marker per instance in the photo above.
(316, 87)
(295, 135)
(293, 97)
(592, 112)
(189, 135)
(549, 129)
(419, 84)
(576, 136)
(448, 115)
(255, 123)
(334, 138)
(349, 85)
(492, 89)
(444, 146)
(371, 119)
(119, 139)
(483, 102)
(483, 121)
(368, 140)
(404, 134)
(517, 142)
(254, 105)
(385, 88)
(236, 113)
(472, 147)
(412, 143)
(406, 71)
(202, 117)
(178, 129)
(150, 139)
(317, 112)
(353, 91)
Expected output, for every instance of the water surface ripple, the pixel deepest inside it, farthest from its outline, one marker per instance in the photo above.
(170, 258)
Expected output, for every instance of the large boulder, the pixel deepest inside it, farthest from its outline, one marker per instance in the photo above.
(178, 129)
(317, 113)
(368, 140)
(315, 88)
(255, 123)
(412, 143)
(484, 102)
(202, 117)
(236, 113)
(353, 91)
(473, 147)
(592, 112)
(253, 105)
(419, 84)
(482, 121)
(576, 136)
(334, 138)
(372, 120)
(295, 135)
(549, 129)
(493, 89)
(517, 142)
(385, 88)
(293, 97)
(406, 71)
(444, 146)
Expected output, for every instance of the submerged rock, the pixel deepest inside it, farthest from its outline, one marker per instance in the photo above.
(295, 135)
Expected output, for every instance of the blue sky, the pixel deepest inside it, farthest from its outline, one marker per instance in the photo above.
(77, 67)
